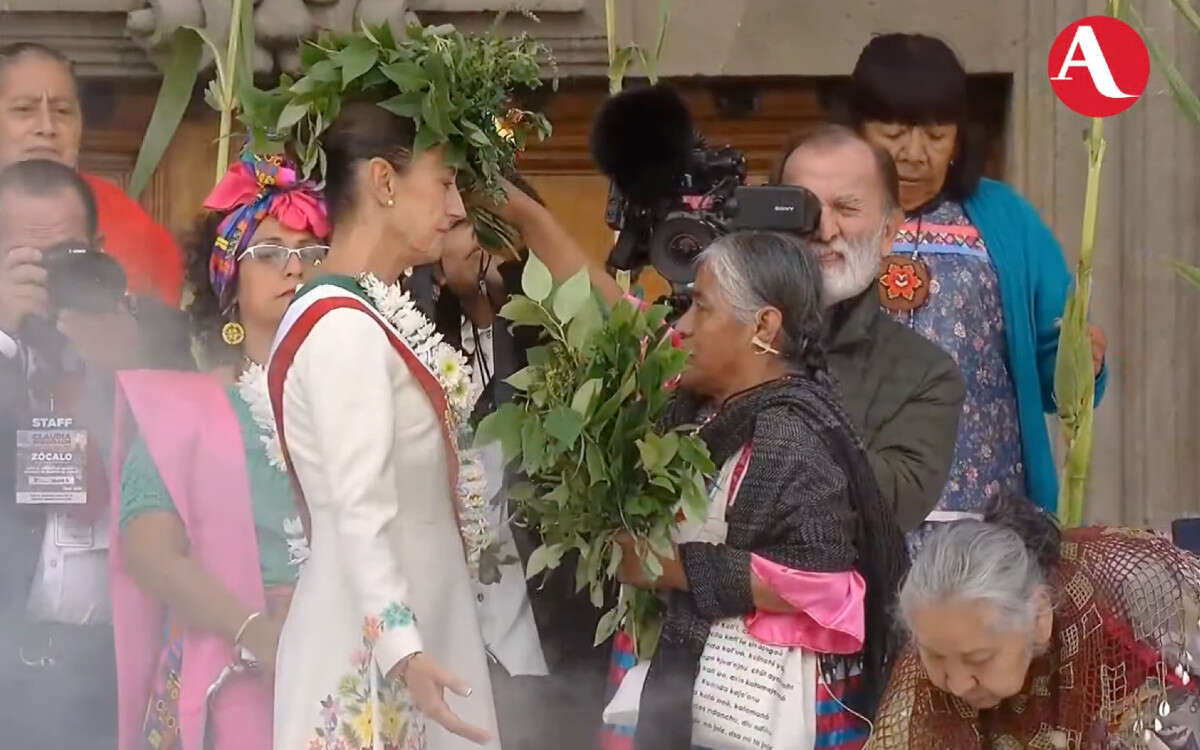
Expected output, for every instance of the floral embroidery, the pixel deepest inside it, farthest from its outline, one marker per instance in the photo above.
(965, 317)
(901, 280)
(369, 708)
(396, 616)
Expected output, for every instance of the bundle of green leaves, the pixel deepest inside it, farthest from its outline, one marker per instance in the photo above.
(458, 89)
(585, 430)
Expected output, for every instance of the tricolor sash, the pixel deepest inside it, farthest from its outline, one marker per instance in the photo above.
(315, 301)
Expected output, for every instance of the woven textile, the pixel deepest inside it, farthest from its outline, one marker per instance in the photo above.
(1119, 672)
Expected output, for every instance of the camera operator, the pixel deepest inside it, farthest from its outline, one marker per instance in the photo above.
(41, 118)
(64, 326)
(903, 393)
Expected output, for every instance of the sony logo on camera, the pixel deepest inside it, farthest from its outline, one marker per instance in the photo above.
(672, 195)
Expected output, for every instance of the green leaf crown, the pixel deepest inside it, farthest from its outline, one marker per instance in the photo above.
(456, 87)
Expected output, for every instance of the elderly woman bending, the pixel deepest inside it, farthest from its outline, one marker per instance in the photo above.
(1025, 636)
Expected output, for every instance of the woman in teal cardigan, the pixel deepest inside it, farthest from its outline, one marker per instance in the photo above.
(974, 269)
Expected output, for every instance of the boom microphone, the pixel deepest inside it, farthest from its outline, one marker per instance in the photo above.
(642, 139)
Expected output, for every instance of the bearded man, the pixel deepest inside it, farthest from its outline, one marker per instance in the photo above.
(903, 393)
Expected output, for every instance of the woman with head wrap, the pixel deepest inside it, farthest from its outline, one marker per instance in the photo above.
(1027, 636)
(209, 541)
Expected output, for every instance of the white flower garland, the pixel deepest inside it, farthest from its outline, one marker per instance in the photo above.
(252, 387)
(453, 374)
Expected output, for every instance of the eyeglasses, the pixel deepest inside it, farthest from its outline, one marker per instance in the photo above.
(279, 255)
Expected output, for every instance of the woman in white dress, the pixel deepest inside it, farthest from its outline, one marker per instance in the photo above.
(383, 619)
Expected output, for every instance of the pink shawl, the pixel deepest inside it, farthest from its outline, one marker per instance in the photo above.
(194, 438)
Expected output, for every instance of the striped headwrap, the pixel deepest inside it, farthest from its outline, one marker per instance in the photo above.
(254, 188)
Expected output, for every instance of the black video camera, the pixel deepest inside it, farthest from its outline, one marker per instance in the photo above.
(672, 195)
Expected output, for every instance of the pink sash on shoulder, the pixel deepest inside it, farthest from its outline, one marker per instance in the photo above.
(195, 440)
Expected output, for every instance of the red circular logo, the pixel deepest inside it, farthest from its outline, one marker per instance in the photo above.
(1099, 66)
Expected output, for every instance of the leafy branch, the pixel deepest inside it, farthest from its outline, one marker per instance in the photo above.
(584, 428)
(456, 88)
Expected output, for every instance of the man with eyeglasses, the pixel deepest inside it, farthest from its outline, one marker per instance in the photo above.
(56, 651)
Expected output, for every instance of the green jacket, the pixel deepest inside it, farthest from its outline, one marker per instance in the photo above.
(904, 394)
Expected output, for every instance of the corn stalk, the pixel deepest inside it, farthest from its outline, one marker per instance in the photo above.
(620, 58)
(234, 74)
(1074, 379)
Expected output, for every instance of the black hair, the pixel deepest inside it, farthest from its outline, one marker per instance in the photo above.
(204, 309)
(756, 269)
(916, 79)
(42, 177)
(362, 131)
(830, 135)
(1037, 528)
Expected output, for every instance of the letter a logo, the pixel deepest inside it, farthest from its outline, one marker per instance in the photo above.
(1099, 66)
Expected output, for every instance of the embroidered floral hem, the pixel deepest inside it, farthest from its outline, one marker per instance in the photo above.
(368, 710)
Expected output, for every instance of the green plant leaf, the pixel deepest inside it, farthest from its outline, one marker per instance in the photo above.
(533, 445)
(614, 560)
(426, 139)
(545, 557)
(404, 105)
(607, 627)
(522, 379)
(179, 78)
(293, 113)
(653, 566)
(356, 59)
(1189, 14)
(502, 426)
(668, 446)
(660, 544)
(648, 449)
(618, 66)
(1184, 95)
(695, 498)
(564, 425)
(584, 325)
(595, 464)
(693, 450)
(536, 280)
(244, 67)
(581, 402)
(572, 296)
(408, 77)
(1189, 273)
(664, 482)
(523, 311)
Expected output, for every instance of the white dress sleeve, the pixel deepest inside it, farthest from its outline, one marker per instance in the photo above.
(350, 377)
